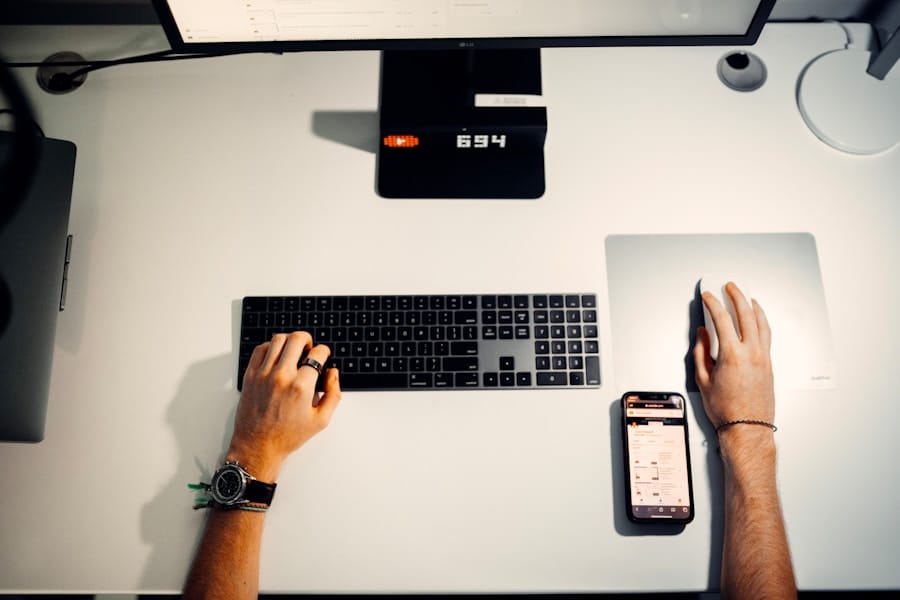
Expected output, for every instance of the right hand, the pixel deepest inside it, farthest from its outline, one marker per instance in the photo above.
(739, 385)
(280, 409)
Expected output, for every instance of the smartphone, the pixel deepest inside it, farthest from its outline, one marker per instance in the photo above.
(657, 459)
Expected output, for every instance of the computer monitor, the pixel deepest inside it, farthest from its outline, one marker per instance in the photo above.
(460, 108)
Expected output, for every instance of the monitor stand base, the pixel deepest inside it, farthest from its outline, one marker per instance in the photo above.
(453, 148)
(847, 108)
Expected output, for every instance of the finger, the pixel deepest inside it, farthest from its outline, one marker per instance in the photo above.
(274, 352)
(298, 343)
(259, 353)
(762, 322)
(703, 362)
(331, 395)
(746, 319)
(721, 320)
(307, 375)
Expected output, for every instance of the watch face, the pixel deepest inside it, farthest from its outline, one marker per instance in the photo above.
(228, 485)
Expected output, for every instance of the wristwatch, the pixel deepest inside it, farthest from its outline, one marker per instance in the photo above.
(232, 486)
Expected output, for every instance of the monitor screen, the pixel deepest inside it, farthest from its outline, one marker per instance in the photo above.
(460, 113)
(385, 24)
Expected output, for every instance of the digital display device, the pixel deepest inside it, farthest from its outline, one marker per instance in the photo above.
(461, 112)
(657, 459)
(375, 23)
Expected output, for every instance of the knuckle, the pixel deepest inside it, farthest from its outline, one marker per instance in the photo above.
(297, 386)
(300, 335)
(282, 378)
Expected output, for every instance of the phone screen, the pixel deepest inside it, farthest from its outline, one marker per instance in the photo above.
(657, 460)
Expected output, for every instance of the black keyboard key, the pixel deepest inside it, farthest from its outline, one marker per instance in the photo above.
(424, 380)
(443, 380)
(552, 378)
(466, 317)
(463, 348)
(592, 370)
(460, 363)
(373, 381)
(253, 335)
(255, 304)
(463, 380)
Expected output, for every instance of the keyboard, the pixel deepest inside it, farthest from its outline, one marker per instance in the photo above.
(435, 342)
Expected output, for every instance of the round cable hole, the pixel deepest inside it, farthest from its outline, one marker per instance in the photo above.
(742, 71)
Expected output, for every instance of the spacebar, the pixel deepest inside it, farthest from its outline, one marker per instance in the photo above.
(374, 381)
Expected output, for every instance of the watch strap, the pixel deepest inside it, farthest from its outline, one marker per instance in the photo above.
(258, 492)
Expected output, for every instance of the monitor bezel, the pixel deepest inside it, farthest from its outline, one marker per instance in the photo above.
(178, 44)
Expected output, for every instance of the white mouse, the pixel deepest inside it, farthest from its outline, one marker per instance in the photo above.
(716, 286)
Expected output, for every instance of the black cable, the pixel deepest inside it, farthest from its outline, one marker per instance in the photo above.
(63, 81)
(163, 56)
(93, 65)
(88, 63)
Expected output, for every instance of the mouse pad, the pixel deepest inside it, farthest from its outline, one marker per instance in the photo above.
(655, 310)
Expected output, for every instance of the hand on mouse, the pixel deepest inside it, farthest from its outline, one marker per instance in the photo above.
(279, 409)
(739, 384)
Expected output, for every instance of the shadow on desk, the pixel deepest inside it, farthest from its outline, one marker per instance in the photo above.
(201, 418)
(357, 129)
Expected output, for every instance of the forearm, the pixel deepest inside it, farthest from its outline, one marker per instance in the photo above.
(226, 566)
(756, 561)
(227, 562)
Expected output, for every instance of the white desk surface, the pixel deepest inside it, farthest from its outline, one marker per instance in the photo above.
(200, 182)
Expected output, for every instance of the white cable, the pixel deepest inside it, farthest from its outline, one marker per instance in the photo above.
(850, 42)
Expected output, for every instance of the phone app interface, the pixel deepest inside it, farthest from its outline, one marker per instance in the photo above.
(657, 458)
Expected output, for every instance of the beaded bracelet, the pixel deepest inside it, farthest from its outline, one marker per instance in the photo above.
(745, 422)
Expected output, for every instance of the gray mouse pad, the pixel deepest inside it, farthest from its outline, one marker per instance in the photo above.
(654, 304)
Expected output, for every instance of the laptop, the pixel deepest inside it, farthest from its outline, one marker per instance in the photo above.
(33, 260)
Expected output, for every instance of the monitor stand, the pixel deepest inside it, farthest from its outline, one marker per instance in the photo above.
(436, 143)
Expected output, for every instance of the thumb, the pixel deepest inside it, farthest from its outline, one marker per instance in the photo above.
(702, 359)
(331, 396)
